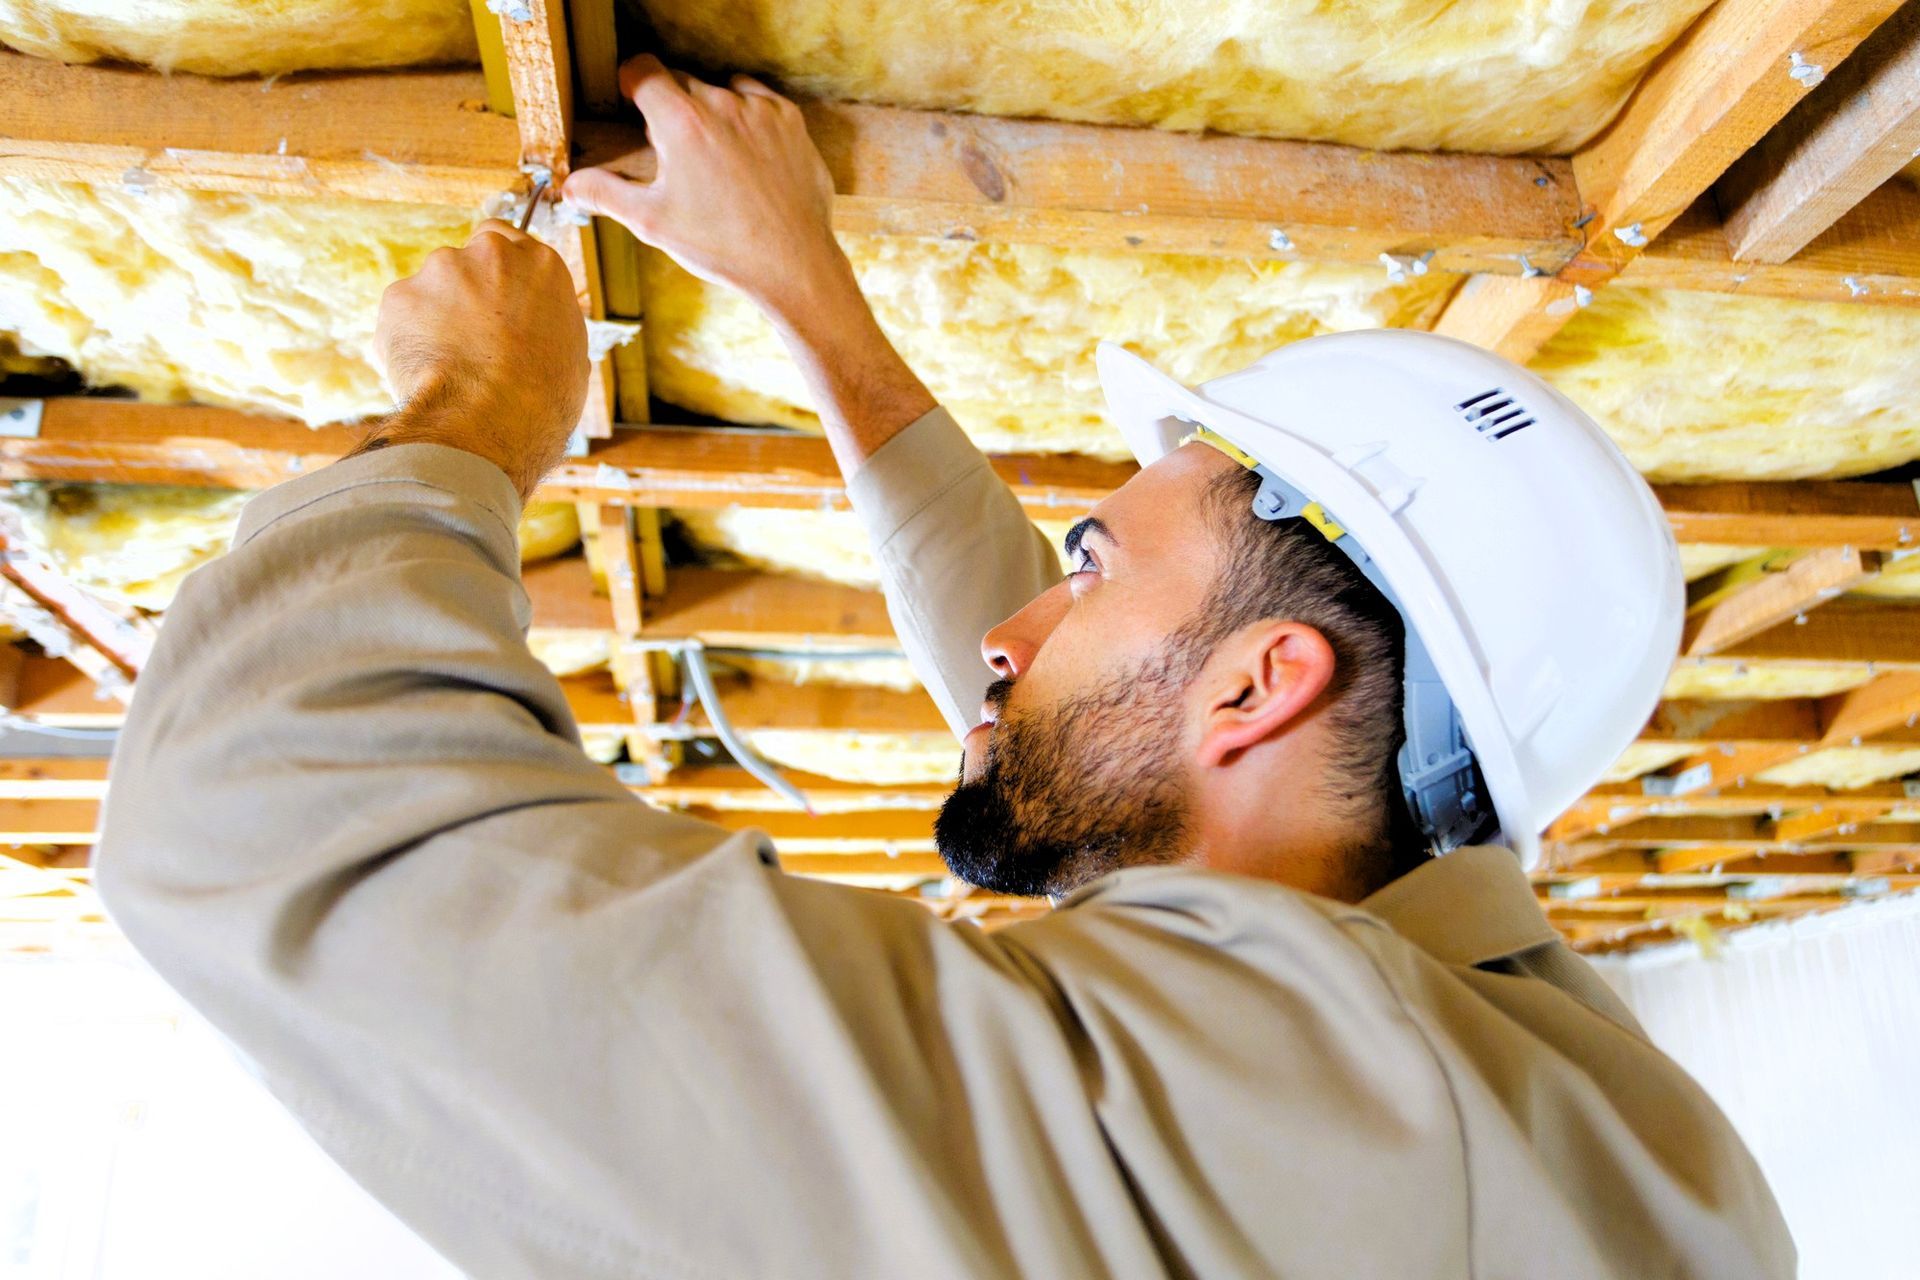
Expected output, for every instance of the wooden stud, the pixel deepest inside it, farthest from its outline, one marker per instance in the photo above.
(409, 135)
(964, 177)
(1870, 257)
(1863, 630)
(1886, 705)
(596, 55)
(1772, 599)
(120, 441)
(1708, 98)
(1853, 133)
(541, 74)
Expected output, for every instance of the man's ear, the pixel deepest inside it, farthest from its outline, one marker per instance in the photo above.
(1273, 675)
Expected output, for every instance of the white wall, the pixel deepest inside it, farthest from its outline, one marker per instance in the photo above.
(134, 1147)
(1807, 1033)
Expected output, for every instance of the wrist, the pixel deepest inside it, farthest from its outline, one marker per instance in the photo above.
(409, 425)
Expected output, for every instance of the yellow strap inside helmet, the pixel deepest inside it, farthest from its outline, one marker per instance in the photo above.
(1314, 514)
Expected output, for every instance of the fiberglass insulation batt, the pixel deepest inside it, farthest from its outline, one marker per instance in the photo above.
(1424, 75)
(236, 300)
(242, 37)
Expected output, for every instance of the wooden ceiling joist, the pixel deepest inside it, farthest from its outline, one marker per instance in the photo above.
(1769, 599)
(953, 176)
(1857, 129)
(419, 135)
(1707, 99)
(92, 439)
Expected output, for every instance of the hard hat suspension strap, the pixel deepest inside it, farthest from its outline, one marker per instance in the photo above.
(1438, 775)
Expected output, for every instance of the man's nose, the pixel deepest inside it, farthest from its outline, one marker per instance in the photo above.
(1010, 647)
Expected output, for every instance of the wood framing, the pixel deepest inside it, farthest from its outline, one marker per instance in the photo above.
(1871, 256)
(1855, 131)
(1707, 99)
(1771, 599)
(540, 74)
(964, 177)
(421, 135)
(95, 439)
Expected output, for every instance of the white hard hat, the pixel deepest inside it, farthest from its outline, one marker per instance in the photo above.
(1532, 565)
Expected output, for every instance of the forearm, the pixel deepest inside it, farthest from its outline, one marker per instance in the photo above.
(863, 391)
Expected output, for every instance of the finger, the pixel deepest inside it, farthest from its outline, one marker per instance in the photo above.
(495, 227)
(605, 192)
(748, 87)
(651, 87)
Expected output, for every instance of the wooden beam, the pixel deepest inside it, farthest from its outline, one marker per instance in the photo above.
(409, 135)
(787, 827)
(1863, 630)
(1803, 513)
(1871, 256)
(1857, 129)
(766, 610)
(49, 821)
(731, 787)
(541, 74)
(1775, 598)
(1887, 704)
(1707, 99)
(1714, 93)
(95, 439)
(1617, 803)
(55, 778)
(768, 704)
(964, 177)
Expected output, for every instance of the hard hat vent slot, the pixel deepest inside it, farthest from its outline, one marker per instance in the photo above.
(1494, 414)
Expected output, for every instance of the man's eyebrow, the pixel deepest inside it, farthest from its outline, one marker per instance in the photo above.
(1081, 528)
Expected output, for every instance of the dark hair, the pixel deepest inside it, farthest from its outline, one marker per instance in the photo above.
(1286, 569)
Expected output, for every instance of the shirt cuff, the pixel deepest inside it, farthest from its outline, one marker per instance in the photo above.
(371, 476)
(907, 472)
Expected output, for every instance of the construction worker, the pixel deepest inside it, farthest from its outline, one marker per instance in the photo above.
(1266, 1032)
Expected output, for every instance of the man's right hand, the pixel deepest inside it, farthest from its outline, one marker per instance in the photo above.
(741, 197)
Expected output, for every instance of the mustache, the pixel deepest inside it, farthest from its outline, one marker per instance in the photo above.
(997, 694)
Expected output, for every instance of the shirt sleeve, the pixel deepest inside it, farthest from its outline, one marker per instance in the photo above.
(957, 555)
(559, 1031)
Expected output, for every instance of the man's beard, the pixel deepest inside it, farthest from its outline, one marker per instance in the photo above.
(1071, 792)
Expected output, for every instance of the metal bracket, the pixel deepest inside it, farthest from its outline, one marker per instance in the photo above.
(1678, 784)
(20, 419)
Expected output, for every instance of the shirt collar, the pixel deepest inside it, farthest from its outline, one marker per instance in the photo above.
(1466, 907)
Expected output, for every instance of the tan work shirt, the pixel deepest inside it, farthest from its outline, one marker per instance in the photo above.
(565, 1034)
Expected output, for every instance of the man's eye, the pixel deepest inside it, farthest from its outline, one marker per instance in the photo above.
(1086, 565)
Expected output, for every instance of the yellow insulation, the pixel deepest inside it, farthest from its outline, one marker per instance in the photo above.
(1726, 679)
(225, 299)
(1645, 757)
(1426, 75)
(1004, 334)
(1844, 767)
(134, 543)
(1698, 386)
(1900, 580)
(242, 37)
(880, 759)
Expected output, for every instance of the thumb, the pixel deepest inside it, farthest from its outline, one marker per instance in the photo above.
(608, 194)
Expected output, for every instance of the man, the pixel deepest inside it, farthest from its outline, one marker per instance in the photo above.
(564, 1034)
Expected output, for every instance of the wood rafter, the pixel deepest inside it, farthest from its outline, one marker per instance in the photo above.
(1707, 99)
(1855, 131)
(90, 439)
(1769, 599)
